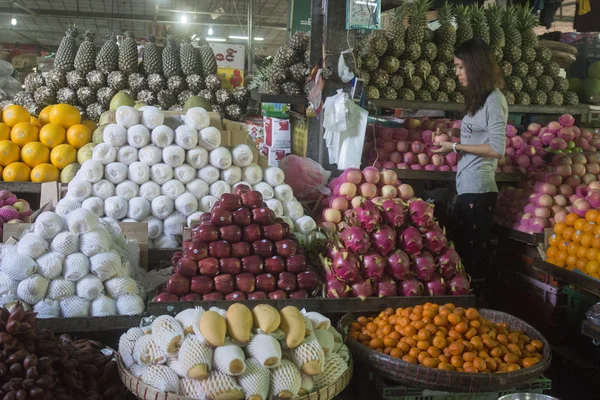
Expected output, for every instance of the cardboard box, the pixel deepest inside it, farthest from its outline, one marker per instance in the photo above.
(277, 133)
(235, 133)
(273, 155)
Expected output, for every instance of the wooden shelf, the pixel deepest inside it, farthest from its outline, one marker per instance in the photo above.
(89, 324)
(420, 175)
(582, 281)
(278, 98)
(21, 187)
(532, 239)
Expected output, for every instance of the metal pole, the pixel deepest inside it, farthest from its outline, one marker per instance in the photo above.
(250, 35)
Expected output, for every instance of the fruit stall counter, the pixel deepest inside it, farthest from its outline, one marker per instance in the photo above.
(88, 324)
(579, 280)
(278, 98)
(406, 174)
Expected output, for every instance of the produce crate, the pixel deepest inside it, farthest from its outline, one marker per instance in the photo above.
(390, 390)
(592, 118)
(546, 293)
(577, 305)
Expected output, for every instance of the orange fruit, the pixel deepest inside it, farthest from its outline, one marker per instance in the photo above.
(9, 152)
(44, 173)
(592, 254)
(551, 252)
(4, 131)
(554, 240)
(568, 233)
(14, 114)
(51, 135)
(572, 248)
(90, 124)
(16, 172)
(597, 229)
(79, 135)
(35, 153)
(596, 242)
(551, 260)
(571, 260)
(562, 245)
(592, 215)
(576, 237)
(581, 262)
(561, 256)
(582, 252)
(23, 133)
(63, 155)
(34, 121)
(579, 224)
(571, 218)
(65, 115)
(592, 267)
(559, 227)
(586, 239)
(44, 116)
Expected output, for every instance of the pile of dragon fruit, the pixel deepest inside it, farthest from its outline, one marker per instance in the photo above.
(383, 246)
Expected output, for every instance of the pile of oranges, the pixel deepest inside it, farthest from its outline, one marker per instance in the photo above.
(448, 338)
(37, 149)
(576, 243)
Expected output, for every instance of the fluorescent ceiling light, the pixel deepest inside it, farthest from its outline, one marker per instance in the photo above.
(210, 31)
(184, 19)
(193, 36)
(258, 39)
(13, 21)
(215, 39)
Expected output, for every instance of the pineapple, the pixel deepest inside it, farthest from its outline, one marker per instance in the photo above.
(75, 79)
(464, 30)
(522, 98)
(224, 98)
(388, 93)
(95, 79)
(128, 54)
(415, 83)
(298, 72)
(456, 97)
(439, 69)
(379, 78)
(44, 96)
(165, 99)
(396, 82)
(495, 16)
(406, 94)
(234, 112)
(432, 83)
(107, 59)
(561, 85)
(213, 83)
(117, 80)
(439, 96)
(511, 54)
(528, 54)
(552, 69)
(137, 82)
(210, 96)
(66, 96)
(299, 42)
(447, 85)
(498, 53)
(536, 69)
(22, 98)
(509, 96)
(481, 29)
(241, 96)
(151, 57)
(371, 92)
(395, 35)
(195, 83)
(156, 82)
(33, 81)
(529, 83)
(147, 97)
(514, 84)
(545, 83)
(104, 96)
(538, 97)
(412, 52)
(415, 33)
(170, 61)
(520, 69)
(445, 35)
(422, 68)
(94, 111)
(429, 51)
(86, 96)
(555, 98)
(277, 75)
(176, 84)
(422, 95)
(55, 79)
(370, 62)
(285, 57)
(219, 110)
(527, 22)
(512, 50)
(291, 88)
(65, 55)
(428, 35)
(208, 60)
(390, 64)
(190, 60)
(86, 54)
(570, 99)
(407, 68)
(506, 68)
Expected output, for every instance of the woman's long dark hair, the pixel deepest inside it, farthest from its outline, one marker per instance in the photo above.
(483, 72)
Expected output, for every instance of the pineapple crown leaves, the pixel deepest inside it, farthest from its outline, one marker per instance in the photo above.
(418, 9)
(510, 18)
(72, 31)
(446, 12)
(478, 13)
(400, 12)
(462, 13)
(494, 15)
(151, 39)
(526, 17)
(111, 36)
(128, 35)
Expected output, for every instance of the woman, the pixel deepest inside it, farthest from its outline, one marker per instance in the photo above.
(482, 142)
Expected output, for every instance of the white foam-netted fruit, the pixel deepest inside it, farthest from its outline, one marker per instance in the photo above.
(166, 242)
(162, 207)
(265, 189)
(130, 304)
(7, 285)
(112, 226)
(103, 189)
(335, 367)
(274, 176)
(305, 225)
(65, 243)
(255, 380)
(252, 174)
(138, 136)
(50, 264)
(60, 288)
(209, 138)
(173, 155)
(91, 171)
(117, 287)
(276, 206)
(103, 306)
(139, 208)
(94, 242)
(116, 207)
(207, 202)
(266, 349)
(155, 226)
(150, 155)
(197, 157)
(188, 318)
(220, 158)
(32, 289)
(218, 188)
(289, 221)
(174, 224)
(105, 153)
(82, 220)
(229, 359)
(105, 265)
(127, 190)
(197, 117)
(127, 116)
(284, 192)
(220, 386)
(209, 174)
(138, 172)
(149, 190)
(115, 172)
(152, 117)
(242, 155)
(285, 380)
(191, 388)
(186, 137)
(65, 206)
(174, 364)
(79, 189)
(161, 173)
(114, 135)
(48, 224)
(127, 155)
(168, 333)
(198, 188)
(74, 306)
(307, 385)
(127, 344)
(293, 209)
(325, 339)
(194, 217)
(32, 245)
(162, 378)
(77, 265)
(186, 204)
(232, 174)
(47, 308)
(89, 287)
(344, 352)
(338, 340)
(95, 205)
(162, 136)
(137, 370)
(184, 173)
(146, 351)
(172, 189)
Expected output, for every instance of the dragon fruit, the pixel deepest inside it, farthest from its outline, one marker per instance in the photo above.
(436, 286)
(346, 266)
(362, 289)
(335, 287)
(411, 287)
(384, 239)
(373, 265)
(421, 213)
(423, 266)
(459, 286)
(386, 287)
(410, 240)
(435, 240)
(356, 240)
(368, 215)
(448, 262)
(393, 213)
(398, 265)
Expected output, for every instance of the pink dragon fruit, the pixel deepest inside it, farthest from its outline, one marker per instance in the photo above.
(362, 289)
(436, 286)
(435, 240)
(410, 240)
(411, 287)
(386, 287)
(356, 240)
(346, 266)
(373, 265)
(398, 265)
(335, 287)
(393, 213)
(448, 262)
(368, 215)
(421, 213)
(384, 239)
(459, 286)
(423, 266)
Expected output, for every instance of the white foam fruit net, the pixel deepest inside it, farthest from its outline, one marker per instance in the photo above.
(130, 304)
(207, 202)
(161, 173)
(152, 117)
(265, 189)
(116, 287)
(197, 157)
(89, 287)
(209, 137)
(194, 217)
(162, 136)
(209, 174)
(91, 171)
(186, 204)
(115, 135)
(166, 242)
(139, 208)
(162, 207)
(127, 116)
(229, 359)
(276, 206)
(231, 175)
(116, 207)
(74, 306)
(105, 265)
(194, 353)
(265, 349)
(105, 153)
(252, 174)
(95, 205)
(47, 308)
(220, 158)
(344, 352)
(293, 209)
(65, 243)
(168, 333)
(174, 223)
(218, 385)
(197, 117)
(48, 224)
(307, 384)
(184, 173)
(284, 192)
(138, 136)
(60, 288)
(198, 188)
(186, 137)
(310, 351)
(50, 265)
(94, 242)
(127, 155)
(173, 363)
(274, 176)
(82, 221)
(150, 155)
(218, 188)
(242, 155)
(103, 306)
(146, 351)
(7, 285)
(335, 367)
(18, 266)
(285, 378)
(32, 289)
(189, 317)
(173, 189)
(65, 206)
(149, 191)
(128, 339)
(127, 190)
(173, 155)
(255, 380)
(138, 172)
(79, 189)
(155, 227)
(317, 320)
(116, 172)
(191, 388)
(162, 378)
(32, 245)
(77, 265)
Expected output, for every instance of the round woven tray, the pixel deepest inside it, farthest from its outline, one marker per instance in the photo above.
(431, 378)
(146, 392)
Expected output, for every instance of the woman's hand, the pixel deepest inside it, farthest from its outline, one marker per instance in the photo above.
(444, 147)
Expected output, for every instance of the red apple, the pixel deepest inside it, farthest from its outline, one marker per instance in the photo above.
(263, 248)
(240, 249)
(307, 280)
(191, 297)
(242, 216)
(195, 250)
(253, 265)
(236, 296)
(224, 283)
(241, 189)
(263, 216)
(231, 233)
(266, 282)
(273, 232)
(206, 233)
(286, 228)
(245, 282)
(286, 281)
(230, 265)
(186, 267)
(165, 297)
(176, 257)
(220, 249)
(230, 201)
(286, 248)
(202, 284)
(178, 285)
(252, 199)
(274, 265)
(296, 263)
(252, 233)
(257, 296)
(209, 266)
(278, 295)
(220, 217)
(214, 296)
(205, 217)
(299, 294)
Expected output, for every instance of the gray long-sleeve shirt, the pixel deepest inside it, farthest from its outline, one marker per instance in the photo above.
(475, 174)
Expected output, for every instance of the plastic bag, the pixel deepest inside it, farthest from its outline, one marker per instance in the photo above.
(6, 68)
(304, 175)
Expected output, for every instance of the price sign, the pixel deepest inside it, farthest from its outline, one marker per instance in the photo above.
(229, 55)
(363, 14)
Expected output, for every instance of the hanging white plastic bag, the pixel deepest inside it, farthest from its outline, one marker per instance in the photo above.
(335, 112)
(352, 140)
(344, 72)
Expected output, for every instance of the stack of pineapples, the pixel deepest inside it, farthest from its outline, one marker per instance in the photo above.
(167, 77)
(417, 63)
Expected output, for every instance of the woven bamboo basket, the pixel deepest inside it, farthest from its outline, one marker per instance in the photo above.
(432, 378)
(146, 392)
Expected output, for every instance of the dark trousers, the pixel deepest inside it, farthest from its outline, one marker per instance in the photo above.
(475, 215)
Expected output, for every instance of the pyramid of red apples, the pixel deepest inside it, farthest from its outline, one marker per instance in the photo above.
(240, 250)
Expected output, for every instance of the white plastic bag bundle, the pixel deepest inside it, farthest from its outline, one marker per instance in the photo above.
(103, 189)
(152, 117)
(32, 289)
(252, 174)
(209, 174)
(218, 188)
(94, 242)
(197, 157)
(166, 242)
(162, 207)
(82, 221)
(48, 224)
(138, 136)
(77, 265)
(232, 174)
(47, 308)
(127, 155)
(209, 138)
(138, 172)
(274, 176)
(293, 209)
(117, 287)
(60, 288)
(197, 117)
(79, 189)
(173, 189)
(115, 172)
(94, 204)
(89, 287)
(276, 206)
(127, 116)
(174, 224)
(103, 306)
(32, 245)
(116, 207)
(173, 155)
(198, 188)
(127, 190)
(242, 155)
(265, 189)
(207, 202)
(91, 171)
(139, 208)
(186, 137)
(184, 173)
(149, 190)
(112, 226)
(284, 193)
(50, 265)
(105, 153)
(220, 158)
(155, 227)
(105, 265)
(193, 217)
(74, 306)
(162, 136)
(65, 206)
(114, 135)
(150, 155)
(130, 304)
(305, 225)
(161, 173)
(17, 266)
(65, 243)
(186, 204)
